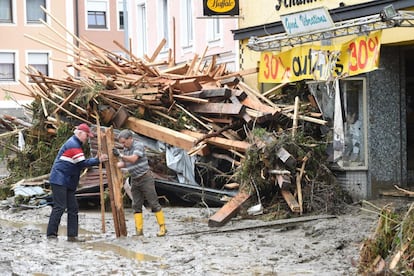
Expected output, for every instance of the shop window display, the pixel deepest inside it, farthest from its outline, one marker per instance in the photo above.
(352, 123)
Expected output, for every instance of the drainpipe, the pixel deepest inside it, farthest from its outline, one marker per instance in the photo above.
(126, 32)
(77, 20)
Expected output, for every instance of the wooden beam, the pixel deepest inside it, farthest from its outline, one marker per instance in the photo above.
(163, 134)
(223, 143)
(158, 50)
(217, 108)
(291, 201)
(229, 210)
(115, 180)
(216, 93)
(188, 85)
(257, 105)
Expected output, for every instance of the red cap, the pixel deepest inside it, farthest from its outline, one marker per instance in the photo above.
(85, 128)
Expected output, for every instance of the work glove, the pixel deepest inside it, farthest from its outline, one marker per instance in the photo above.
(116, 152)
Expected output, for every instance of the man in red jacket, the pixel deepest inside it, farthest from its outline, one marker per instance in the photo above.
(64, 179)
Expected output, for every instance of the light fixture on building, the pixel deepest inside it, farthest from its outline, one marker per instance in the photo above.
(388, 12)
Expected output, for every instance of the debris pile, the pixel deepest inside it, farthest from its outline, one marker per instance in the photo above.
(268, 144)
(390, 250)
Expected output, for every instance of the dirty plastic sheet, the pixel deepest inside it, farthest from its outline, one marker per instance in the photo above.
(28, 191)
(182, 163)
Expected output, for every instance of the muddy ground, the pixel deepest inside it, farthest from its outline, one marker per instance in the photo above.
(328, 246)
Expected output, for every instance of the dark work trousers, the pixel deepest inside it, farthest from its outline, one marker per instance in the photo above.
(143, 188)
(63, 199)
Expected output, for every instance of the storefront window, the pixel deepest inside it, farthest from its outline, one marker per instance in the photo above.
(352, 114)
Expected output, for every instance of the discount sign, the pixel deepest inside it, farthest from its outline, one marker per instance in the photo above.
(354, 57)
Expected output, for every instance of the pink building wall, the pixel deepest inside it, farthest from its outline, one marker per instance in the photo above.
(14, 40)
(102, 37)
(225, 46)
(68, 12)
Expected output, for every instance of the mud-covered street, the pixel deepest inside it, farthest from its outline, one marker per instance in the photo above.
(327, 246)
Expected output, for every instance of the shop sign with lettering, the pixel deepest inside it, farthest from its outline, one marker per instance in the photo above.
(312, 62)
(307, 21)
(220, 7)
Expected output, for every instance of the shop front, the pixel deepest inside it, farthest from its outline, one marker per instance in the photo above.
(357, 61)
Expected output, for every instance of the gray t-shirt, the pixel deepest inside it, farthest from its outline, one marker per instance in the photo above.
(141, 166)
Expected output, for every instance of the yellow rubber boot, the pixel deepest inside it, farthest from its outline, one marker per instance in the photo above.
(139, 224)
(160, 219)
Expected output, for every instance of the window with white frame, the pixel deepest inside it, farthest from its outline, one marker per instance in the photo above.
(214, 29)
(38, 62)
(141, 29)
(187, 20)
(7, 67)
(97, 14)
(6, 11)
(33, 11)
(163, 19)
(120, 15)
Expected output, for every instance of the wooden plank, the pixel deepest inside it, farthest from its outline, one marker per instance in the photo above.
(180, 69)
(101, 185)
(163, 134)
(291, 201)
(229, 210)
(251, 103)
(188, 85)
(224, 143)
(115, 180)
(190, 70)
(217, 108)
(243, 114)
(190, 99)
(230, 82)
(68, 99)
(241, 95)
(274, 89)
(215, 93)
(307, 118)
(158, 50)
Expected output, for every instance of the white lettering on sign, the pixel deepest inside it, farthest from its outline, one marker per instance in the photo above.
(307, 21)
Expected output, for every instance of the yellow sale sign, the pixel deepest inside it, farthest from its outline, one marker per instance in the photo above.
(360, 55)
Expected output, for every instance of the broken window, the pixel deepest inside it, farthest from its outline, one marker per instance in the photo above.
(349, 150)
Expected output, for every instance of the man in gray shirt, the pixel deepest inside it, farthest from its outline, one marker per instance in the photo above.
(134, 160)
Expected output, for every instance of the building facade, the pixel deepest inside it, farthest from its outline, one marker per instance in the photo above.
(45, 39)
(20, 22)
(186, 32)
(376, 104)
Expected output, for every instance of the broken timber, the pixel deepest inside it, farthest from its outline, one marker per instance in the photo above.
(229, 210)
(163, 134)
(114, 184)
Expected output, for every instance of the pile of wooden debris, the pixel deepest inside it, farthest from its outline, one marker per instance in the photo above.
(390, 250)
(268, 144)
